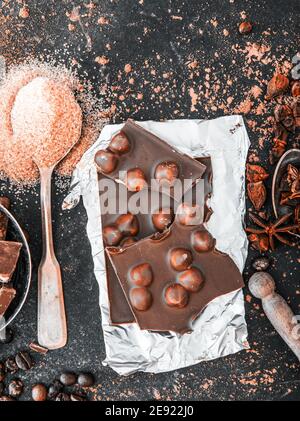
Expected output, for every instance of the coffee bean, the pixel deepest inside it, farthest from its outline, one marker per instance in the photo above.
(15, 388)
(24, 360)
(85, 379)
(9, 335)
(62, 397)
(11, 365)
(68, 378)
(2, 372)
(1, 388)
(77, 398)
(54, 389)
(6, 398)
(39, 392)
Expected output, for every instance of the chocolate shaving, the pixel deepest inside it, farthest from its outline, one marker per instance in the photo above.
(38, 348)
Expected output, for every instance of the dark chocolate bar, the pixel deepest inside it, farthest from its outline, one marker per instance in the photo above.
(7, 294)
(136, 157)
(9, 255)
(120, 311)
(169, 278)
(4, 201)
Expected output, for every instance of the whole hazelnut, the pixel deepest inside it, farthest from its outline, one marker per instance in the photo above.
(106, 161)
(188, 214)
(112, 235)
(245, 27)
(141, 275)
(135, 180)
(119, 143)
(180, 259)
(128, 224)
(202, 241)
(176, 296)
(39, 392)
(162, 218)
(191, 279)
(166, 172)
(140, 298)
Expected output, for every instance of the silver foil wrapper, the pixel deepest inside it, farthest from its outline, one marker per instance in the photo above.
(221, 328)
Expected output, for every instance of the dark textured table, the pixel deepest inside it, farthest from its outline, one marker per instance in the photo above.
(187, 60)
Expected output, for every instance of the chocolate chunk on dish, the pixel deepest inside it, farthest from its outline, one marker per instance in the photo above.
(7, 294)
(9, 256)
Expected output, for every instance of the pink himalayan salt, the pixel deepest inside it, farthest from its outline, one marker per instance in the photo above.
(15, 162)
(46, 120)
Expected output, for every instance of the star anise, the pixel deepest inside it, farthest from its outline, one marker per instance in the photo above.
(259, 242)
(273, 229)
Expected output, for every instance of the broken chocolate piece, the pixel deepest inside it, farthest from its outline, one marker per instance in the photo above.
(9, 255)
(4, 201)
(147, 159)
(7, 294)
(177, 298)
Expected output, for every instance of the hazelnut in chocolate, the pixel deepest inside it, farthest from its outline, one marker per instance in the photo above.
(162, 218)
(120, 143)
(166, 172)
(180, 258)
(176, 296)
(106, 161)
(141, 275)
(140, 298)
(135, 180)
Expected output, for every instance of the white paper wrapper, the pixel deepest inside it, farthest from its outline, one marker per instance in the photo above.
(221, 329)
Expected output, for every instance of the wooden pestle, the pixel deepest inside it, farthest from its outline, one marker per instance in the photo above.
(262, 286)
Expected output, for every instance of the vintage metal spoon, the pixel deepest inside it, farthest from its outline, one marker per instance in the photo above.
(46, 116)
(52, 324)
(292, 156)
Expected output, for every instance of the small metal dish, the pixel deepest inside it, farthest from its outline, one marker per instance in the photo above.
(22, 275)
(292, 156)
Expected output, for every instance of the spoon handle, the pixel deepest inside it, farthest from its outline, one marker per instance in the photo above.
(52, 326)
